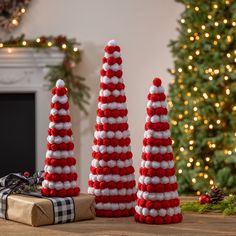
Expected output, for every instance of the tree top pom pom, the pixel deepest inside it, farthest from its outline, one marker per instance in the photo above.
(60, 83)
(112, 43)
(157, 82)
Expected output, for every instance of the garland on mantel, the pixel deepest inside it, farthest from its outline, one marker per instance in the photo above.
(78, 91)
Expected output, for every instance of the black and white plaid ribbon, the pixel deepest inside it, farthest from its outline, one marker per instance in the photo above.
(63, 208)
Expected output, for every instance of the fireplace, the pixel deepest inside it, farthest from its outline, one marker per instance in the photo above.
(24, 103)
(17, 137)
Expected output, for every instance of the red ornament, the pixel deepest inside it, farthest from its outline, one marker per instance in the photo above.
(26, 174)
(203, 199)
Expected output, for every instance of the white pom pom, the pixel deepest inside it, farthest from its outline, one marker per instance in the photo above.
(113, 192)
(163, 150)
(155, 180)
(73, 184)
(167, 195)
(114, 80)
(111, 163)
(72, 169)
(120, 164)
(147, 164)
(162, 212)
(164, 164)
(112, 43)
(155, 164)
(153, 212)
(58, 170)
(107, 206)
(102, 148)
(67, 185)
(122, 191)
(170, 211)
(118, 134)
(160, 196)
(147, 180)
(145, 211)
(103, 120)
(153, 89)
(51, 185)
(118, 149)
(110, 149)
(110, 134)
(121, 206)
(145, 195)
(164, 180)
(60, 83)
(58, 185)
(116, 92)
(106, 92)
(66, 170)
(155, 150)
(138, 210)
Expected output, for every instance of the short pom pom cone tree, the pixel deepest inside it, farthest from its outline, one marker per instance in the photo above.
(111, 177)
(60, 177)
(157, 196)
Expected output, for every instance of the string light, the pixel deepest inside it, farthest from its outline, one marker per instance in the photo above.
(216, 24)
(22, 10)
(233, 23)
(198, 163)
(218, 36)
(197, 52)
(215, 6)
(205, 95)
(217, 104)
(190, 67)
(203, 27)
(209, 17)
(180, 70)
(218, 122)
(207, 159)
(210, 126)
(182, 21)
(211, 182)
(15, 22)
(207, 35)
(196, 8)
(227, 91)
(194, 180)
(226, 77)
(9, 50)
(198, 193)
(64, 46)
(229, 152)
(228, 55)
(190, 57)
(1, 45)
(191, 127)
(181, 149)
(24, 43)
(190, 159)
(76, 49)
(188, 164)
(205, 176)
(180, 171)
(195, 108)
(225, 21)
(49, 44)
(38, 40)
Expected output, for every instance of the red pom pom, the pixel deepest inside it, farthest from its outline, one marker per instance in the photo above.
(70, 192)
(53, 193)
(157, 82)
(111, 60)
(119, 73)
(167, 219)
(149, 220)
(108, 213)
(110, 73)
(158, 220)
(62, 193)
(45, 192)
(102, 72)
(142, 218)
(117, 213)
(136, 217)
(76, 191)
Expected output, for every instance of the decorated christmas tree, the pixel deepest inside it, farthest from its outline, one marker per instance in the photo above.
(111, 177)
(203, 96)
(60, 177)
(157, 194)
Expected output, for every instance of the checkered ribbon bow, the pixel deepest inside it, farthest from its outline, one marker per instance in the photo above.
(63, 208)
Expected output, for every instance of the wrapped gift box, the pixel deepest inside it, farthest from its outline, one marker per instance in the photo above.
(37, 211)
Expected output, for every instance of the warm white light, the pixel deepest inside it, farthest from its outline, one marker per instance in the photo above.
(49, 44)
(24, 43)
(22, 10)
(9, 50)
(75, 49)
(194, 180)
(64, 46)
(38, 40)
(1, 45)
(180, 171)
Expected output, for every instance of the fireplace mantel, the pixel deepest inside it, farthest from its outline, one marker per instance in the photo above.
(22, 70)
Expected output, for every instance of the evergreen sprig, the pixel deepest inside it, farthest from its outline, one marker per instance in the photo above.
(227, 206)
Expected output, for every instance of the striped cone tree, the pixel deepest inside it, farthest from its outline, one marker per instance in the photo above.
(60, 177)
(157, 196)
(111, 177)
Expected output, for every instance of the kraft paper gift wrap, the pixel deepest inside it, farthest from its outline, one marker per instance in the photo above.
(39, 211)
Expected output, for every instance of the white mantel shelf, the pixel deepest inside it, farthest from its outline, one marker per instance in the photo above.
(23, 71)
(29, 57)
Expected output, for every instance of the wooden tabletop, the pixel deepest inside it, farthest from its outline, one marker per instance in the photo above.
(193, 224)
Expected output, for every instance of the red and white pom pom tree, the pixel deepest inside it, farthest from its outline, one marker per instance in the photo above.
(157, 196)
(60, 177)
(111, 177)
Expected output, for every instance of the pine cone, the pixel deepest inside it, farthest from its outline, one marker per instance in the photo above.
(216, 195)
